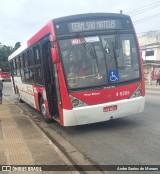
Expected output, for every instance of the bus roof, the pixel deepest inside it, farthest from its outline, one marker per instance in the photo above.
(88, 15)
(18, 51)
(49, 27)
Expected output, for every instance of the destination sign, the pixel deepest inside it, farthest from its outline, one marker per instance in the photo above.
(94, 25)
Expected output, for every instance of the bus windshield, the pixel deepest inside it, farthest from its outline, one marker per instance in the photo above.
(99, 60)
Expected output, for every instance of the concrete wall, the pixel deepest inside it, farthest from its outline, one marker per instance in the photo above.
(158, 54)
(149, 38)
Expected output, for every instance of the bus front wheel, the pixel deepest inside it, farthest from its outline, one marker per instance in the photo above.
(44, 111)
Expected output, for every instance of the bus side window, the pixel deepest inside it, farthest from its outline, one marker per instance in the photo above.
(14, 68)
(18, 66)
(23, 66)
(38, 69)
(22, 75)
(25, 59)
(26, 74)
(21, 61)
(37, 57)
(30, 57)
(38, 75)
(29, 66)
(11, 67)
(32, 75)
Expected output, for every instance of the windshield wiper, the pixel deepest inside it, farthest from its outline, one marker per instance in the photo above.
(116, 48)
(115, 55)
(117, 42)
(84, 43)
(92, 53)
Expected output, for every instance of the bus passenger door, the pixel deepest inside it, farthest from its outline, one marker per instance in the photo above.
(49, 79)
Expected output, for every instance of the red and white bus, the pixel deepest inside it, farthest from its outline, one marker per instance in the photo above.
(81, 69)
(5, 74)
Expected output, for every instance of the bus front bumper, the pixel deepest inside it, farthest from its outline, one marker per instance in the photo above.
(5, 79)
(96, 113)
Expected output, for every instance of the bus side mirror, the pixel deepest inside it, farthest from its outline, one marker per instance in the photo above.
(55, 56)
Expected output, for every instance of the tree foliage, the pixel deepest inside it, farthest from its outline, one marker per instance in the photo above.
(17, 45)
(5, 51)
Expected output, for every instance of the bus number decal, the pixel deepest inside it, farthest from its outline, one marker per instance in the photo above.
(123, 93)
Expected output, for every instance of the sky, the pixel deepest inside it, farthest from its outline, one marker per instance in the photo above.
(20, 19)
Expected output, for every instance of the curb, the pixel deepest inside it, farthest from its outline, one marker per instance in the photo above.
(66, 151)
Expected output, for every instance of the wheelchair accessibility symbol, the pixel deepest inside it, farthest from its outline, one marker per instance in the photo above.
(113, 75)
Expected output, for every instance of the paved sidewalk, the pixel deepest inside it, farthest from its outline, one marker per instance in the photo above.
(156, 87)
(23, 143)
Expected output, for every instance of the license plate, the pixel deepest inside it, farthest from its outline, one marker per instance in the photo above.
(110, 108)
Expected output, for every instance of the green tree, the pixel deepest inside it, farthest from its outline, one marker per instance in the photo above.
(5, 52)
(17, 45)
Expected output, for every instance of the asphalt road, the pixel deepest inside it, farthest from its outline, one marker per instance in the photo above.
(133, 140)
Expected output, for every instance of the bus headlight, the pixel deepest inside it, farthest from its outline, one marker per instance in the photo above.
(137, 92)
(76, 102)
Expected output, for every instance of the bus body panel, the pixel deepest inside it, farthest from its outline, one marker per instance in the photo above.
(141, 64)
(30, 94)
(65, 99)
(27, 94)
(92, 97)
(95, 113)
(48, 28)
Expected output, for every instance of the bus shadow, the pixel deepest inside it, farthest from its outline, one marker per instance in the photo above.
(111, 125)
(115, 124)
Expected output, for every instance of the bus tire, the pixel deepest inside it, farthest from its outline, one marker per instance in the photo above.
(19, 97)
(43, 111)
